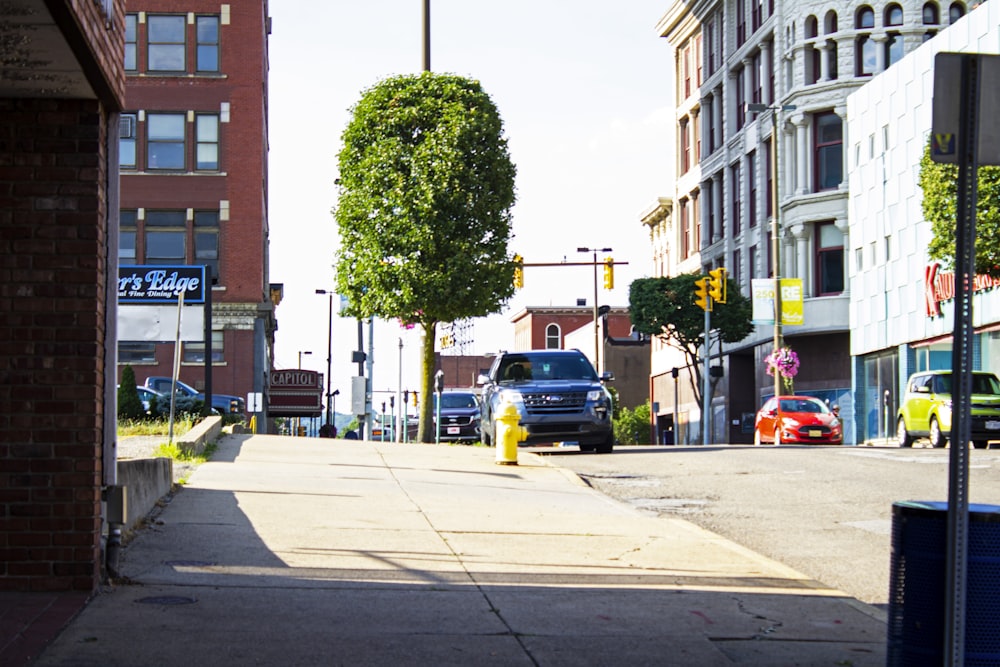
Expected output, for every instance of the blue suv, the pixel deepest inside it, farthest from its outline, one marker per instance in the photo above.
(558, 395)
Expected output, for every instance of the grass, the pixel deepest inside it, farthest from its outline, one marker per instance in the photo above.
(127, 427)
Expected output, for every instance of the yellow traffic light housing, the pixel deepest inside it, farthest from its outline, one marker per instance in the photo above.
(701, 296)
(609, 273)
(717, 284)
(518, 272)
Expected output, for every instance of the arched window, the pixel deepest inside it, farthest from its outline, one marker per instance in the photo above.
(955, 12)
(553, 337)
(865, 55)
(865, 18)
(830, 23)
(828, 157)
(812, 54)
(930, 13)
(893, 15)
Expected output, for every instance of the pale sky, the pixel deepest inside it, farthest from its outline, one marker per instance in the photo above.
(583, 88)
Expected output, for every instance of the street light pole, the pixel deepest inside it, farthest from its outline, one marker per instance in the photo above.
(329, 356)
(775, 245)
(597, 336)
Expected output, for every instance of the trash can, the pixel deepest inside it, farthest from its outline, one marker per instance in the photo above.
(917, 582)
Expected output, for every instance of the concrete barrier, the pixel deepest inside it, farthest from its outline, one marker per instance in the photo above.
(207, 430)
(145, 482)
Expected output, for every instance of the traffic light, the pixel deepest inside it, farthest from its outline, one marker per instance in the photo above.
(414, 399)
(518, 271)
(609, 273)
(717, 284)
(701, 297)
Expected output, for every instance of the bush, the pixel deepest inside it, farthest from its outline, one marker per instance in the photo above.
(129, 405)
(632, 426)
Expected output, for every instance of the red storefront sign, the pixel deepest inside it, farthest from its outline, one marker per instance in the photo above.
(939, 286)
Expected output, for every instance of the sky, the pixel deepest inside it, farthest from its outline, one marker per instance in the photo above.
(584, 90)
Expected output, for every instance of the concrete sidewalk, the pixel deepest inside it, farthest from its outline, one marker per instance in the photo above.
(295, 551)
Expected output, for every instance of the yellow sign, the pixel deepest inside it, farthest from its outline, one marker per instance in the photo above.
(792, 311)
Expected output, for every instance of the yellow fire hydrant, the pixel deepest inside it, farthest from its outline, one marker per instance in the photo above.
(509, 432)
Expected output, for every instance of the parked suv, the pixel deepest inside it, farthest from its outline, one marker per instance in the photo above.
(926, 409)
(459, 415)
(557, 394)
(221, 403)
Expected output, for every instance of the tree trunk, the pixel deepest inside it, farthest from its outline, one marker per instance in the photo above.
(425, 429)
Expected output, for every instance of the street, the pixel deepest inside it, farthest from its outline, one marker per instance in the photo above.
(825, 511)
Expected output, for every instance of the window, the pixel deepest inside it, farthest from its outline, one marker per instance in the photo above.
(126, 236)
(894, 41)
(752, 188)
(812, 54)
(711, 192)
(686, 73)
(753, 262)
(741, 22)
(207, 51)
(131, 39)
(757, 15)
(864, 47)
(194, 352)
(955, 12)
(685, 229)
(768, 169)
(206, 242)
(829, 259)
(136, 352)
(734, 186)
(165, 141)
(741, 99)
(696, 135)
(708, 110)
(709, 31)
(685, 132)
(553, 337)
(755, 82)
(207, 142)
(166, 236)
(828, 160)
(166, 43)
(126, 141)
(930, 13)
(893, 15)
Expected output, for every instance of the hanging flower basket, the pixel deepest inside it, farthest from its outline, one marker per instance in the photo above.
(784, 363)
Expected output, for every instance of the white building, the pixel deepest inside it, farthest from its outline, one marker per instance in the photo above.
(896, 329)
(801, 59)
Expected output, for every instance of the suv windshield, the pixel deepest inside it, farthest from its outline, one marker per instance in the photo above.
(542, 366)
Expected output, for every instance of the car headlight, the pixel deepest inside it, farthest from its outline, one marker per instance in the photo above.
(512, 396)
(594, 395)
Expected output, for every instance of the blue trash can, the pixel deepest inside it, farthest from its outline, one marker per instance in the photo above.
(917, 581)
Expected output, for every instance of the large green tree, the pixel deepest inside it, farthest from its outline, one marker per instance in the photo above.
(939, 183)
(424, 213)
(665, 307)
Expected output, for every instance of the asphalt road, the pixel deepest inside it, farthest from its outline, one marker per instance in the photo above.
(825, 511)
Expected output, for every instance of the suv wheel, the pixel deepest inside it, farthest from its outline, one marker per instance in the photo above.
(485, 436)
(936, 437)
(903, 438)
(608, 445)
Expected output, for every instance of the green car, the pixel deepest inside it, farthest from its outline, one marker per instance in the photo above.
(926, 409)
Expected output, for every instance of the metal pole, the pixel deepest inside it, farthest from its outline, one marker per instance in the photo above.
(776, 252)
(597, 337)
(399, 392)
(329, 364)
(427, 35)
(705, 401)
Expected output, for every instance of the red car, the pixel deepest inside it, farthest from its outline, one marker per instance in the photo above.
(803, 419)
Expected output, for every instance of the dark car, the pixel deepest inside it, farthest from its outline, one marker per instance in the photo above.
(798, 419)
(459, 416)
(224, 404)
(925, 411)
(558, 395)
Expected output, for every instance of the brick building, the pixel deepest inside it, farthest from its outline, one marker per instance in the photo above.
(61, 91)
(194, 179)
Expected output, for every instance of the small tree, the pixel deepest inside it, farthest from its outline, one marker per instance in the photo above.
(665, 307)
(939, 183)
(424, 213)
(632, 426)
(129, 404)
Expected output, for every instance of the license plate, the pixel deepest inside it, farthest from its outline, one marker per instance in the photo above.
(454, 430)
(993, 425)
(813, 433)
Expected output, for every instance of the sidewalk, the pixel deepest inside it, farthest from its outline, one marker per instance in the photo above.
(293, 551)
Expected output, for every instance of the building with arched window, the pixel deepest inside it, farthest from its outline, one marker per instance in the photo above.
(765, 192)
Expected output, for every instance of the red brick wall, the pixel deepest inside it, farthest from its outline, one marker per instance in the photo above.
(52, 305)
